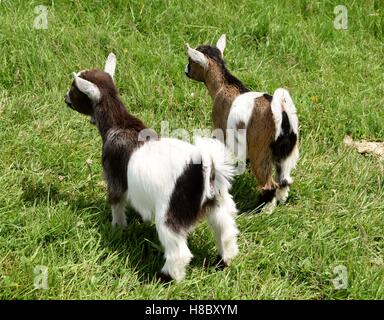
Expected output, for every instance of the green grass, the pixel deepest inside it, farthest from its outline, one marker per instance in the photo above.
(52, 204)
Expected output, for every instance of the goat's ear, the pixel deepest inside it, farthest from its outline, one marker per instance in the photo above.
(88, 88)
(110, 64)
(197, 57)
(221, 43)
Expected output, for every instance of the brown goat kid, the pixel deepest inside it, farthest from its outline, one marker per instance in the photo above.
(265, 127)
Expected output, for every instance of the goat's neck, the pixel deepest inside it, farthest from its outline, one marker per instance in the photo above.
(102, 125)
(215, 83)
(112, 115)
(223, 95)
(103, 122)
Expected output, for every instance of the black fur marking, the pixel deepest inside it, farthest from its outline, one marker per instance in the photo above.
(220, 264)
(117, 150)
(268, 97)
(283, 183)
(215, 54)
(213, 175)
(283, 146)
(184, 205)
(278, 169)
(285, 125)
(266, 196)
(164, 277)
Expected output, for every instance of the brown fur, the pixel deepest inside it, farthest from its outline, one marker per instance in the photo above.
(260, 133)
(222, 94)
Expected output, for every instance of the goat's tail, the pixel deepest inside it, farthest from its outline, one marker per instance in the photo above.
(217, 165)
(286, 124)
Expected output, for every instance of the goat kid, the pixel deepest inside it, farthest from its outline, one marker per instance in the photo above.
(270, 125)
(166, 180)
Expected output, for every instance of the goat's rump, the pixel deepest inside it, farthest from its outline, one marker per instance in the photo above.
(286, 124)
(173, 180)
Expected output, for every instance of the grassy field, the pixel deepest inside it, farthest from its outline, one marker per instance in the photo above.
(52, 199)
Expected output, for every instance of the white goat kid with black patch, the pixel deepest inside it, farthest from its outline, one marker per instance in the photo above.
(168, 181)
(152, 183)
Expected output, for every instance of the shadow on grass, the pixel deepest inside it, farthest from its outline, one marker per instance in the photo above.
(139, 246)
(247, 197)
(244, 192)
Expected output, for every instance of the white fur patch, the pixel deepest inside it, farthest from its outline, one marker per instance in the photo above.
(118, 214)
(282, 194)
(215, 153)
(222, 221)
(241, 111)
(288, 164)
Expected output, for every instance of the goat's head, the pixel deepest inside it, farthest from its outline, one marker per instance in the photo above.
(203, 57)
(89, 87)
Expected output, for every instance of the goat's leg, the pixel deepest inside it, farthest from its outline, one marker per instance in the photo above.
(221, 218)
(262, 169)
(118, 200)
(283, 170)
(176, 252)
(118, 213)
(115, 163)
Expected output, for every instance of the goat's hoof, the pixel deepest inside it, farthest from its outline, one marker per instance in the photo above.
(270, 206)
(119, 225)
(282, 194)
(220, 264)
(164, 278)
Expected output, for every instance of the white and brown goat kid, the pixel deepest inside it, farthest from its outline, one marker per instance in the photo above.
(166, 180)
(270, 124)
